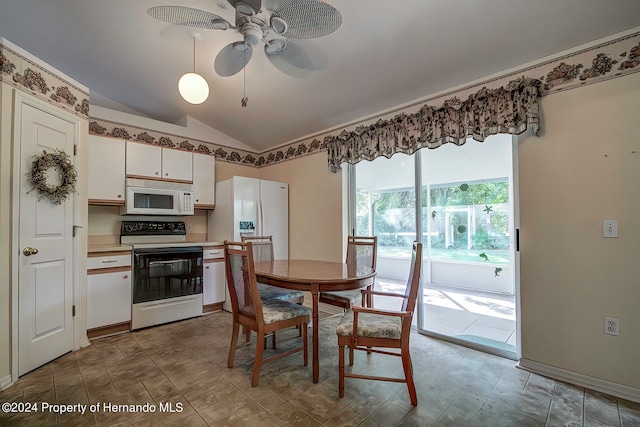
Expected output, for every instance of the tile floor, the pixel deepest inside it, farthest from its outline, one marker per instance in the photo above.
(476, 316)
(183, 364)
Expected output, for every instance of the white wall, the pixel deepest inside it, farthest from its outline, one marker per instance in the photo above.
(584, 168)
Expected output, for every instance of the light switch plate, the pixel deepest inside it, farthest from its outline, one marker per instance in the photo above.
(609, 228)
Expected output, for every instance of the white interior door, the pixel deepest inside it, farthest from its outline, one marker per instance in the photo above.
(45, 278)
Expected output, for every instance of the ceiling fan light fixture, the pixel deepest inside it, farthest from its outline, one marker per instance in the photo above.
(279, 25)
(241, 46)
(245, 9)
(220, 24)
(274, 46)
(193, 88)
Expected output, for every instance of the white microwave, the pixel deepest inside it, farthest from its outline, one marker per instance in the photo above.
(147, 197)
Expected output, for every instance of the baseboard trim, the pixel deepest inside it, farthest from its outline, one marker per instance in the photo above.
(593, 383)
(210, 308)
(108, 330)
(5, 382)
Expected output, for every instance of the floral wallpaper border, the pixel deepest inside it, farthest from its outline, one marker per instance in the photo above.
(612, 59)
(233, 155)
(32, 78)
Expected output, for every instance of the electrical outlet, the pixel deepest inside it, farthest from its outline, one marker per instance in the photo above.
(612, 326)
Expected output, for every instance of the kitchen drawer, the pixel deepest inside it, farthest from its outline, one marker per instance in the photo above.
(108, 260)
(213, 252)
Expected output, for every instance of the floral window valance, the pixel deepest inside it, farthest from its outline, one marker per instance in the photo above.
(511, 109)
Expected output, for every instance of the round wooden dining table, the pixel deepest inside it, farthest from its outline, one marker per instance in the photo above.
(314, 277)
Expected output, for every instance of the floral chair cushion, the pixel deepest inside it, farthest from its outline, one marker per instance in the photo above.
(353, 296)
(268, 292)
(274, 310)
(371, 325)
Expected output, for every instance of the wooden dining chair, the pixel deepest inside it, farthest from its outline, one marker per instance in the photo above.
(378, 331)
(251, 312)
(263, 251)
(361, 250)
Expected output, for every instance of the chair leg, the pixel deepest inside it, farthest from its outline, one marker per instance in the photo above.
(305, 343)
(351, 355)
(340, 370)
(234, 344)
(408, 374)
(247, 333)
(257, 362)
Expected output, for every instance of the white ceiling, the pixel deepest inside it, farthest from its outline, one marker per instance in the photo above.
(386, 53)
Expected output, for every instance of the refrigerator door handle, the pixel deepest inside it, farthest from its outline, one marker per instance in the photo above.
(260, 225)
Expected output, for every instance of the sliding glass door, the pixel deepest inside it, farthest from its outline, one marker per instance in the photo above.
(463, 213)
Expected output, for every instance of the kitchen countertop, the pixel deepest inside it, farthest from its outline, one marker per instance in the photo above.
(115, 247)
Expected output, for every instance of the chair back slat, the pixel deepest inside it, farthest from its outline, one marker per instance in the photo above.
(362, 250)
(262, 247)
(413, 282)
(241, 279)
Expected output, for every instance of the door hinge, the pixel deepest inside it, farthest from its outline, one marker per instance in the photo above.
(73, 311)
(75, 149)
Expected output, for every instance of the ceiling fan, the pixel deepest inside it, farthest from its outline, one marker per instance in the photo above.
(275, 23)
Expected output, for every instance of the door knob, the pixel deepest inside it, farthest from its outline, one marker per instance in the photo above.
(28, 251)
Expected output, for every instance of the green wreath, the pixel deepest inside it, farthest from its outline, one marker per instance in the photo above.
(39, 174)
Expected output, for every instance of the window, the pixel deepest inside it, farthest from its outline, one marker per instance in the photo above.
(469, 221)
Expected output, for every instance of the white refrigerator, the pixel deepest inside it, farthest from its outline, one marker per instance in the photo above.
(251, 207)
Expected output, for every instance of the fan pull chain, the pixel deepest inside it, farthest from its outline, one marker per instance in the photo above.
(244, 100)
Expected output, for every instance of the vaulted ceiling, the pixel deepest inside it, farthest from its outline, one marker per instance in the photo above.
(385, 53)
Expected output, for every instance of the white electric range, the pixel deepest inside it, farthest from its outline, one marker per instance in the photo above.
(167, 272)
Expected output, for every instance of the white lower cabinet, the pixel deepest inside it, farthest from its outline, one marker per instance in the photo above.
(213, 276)
(108, 289)
(108, 299)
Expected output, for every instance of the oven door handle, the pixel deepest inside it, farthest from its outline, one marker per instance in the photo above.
(171, 261)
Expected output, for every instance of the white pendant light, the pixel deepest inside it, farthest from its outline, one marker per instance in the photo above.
(193, 87)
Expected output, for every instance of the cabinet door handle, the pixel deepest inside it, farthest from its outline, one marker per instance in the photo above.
(109, 260)
(207, 267)
(166, 174)
(156, 173)
(119, 196)
(126, 276)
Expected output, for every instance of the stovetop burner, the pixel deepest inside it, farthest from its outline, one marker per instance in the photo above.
(136, 232)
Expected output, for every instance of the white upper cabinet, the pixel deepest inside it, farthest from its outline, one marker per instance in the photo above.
(106, 170)
(204, 182)
(177, 165)
(144, 160)
(149, 161)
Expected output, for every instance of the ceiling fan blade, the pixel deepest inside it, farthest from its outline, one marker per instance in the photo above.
(297, 60)
(188, 17)
(308, 19)
(232, 59)
(255, 5)
(273, 5)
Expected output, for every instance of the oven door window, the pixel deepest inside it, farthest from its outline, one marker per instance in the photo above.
(153, 201)
(166, 273)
